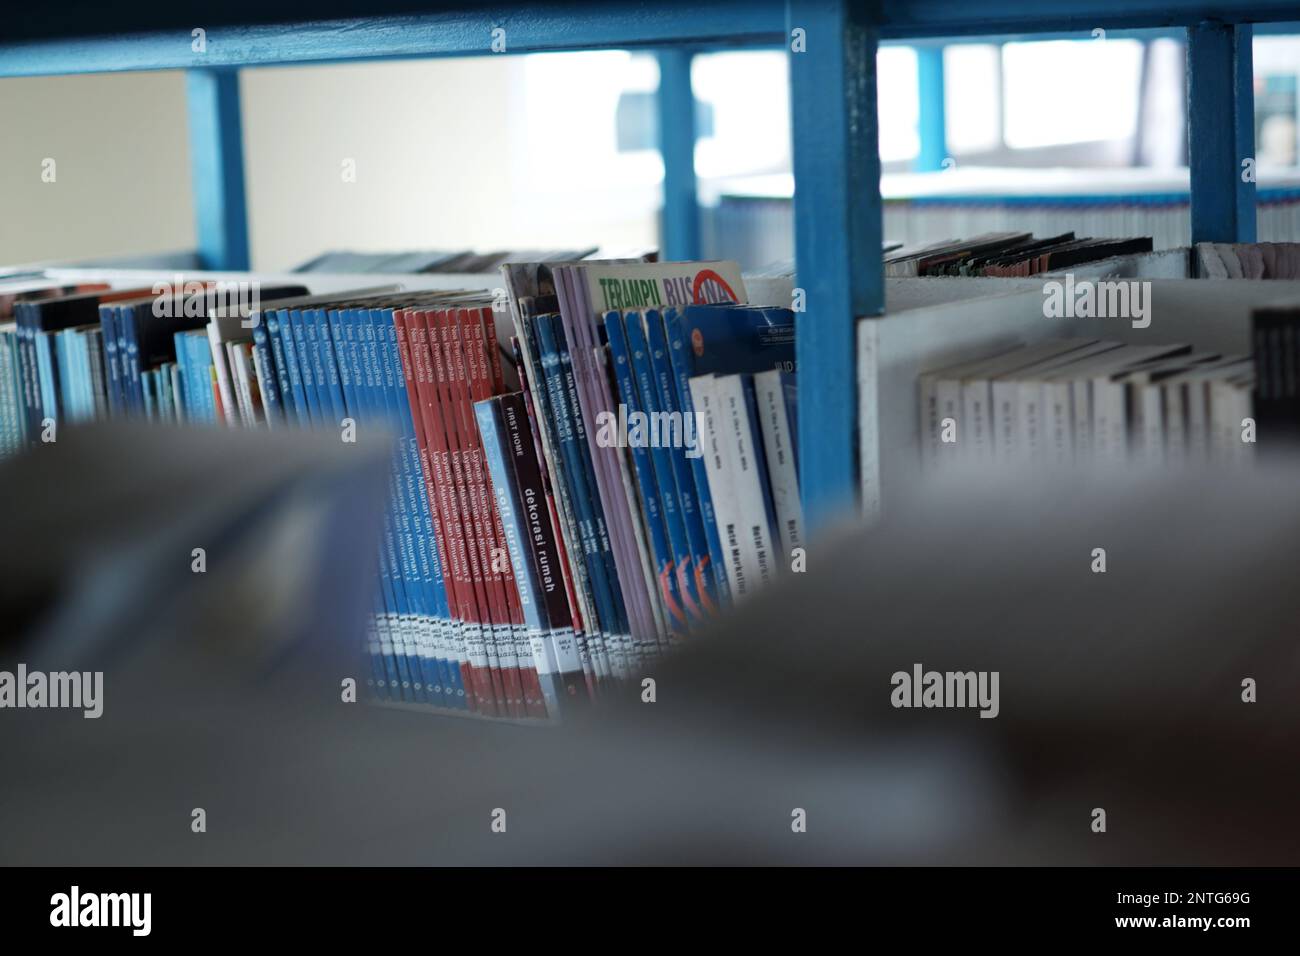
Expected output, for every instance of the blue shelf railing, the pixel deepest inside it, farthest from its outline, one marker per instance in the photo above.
(832, 49)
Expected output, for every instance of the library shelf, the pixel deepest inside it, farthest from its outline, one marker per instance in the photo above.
(831, 45)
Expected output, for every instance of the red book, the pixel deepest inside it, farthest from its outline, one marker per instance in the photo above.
(448, 364)
(427, 357)
(493, 555)
(412, 349)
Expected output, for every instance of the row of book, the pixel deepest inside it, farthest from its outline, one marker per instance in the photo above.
(586, 471)
(1069, 401)
(1006, 254)
(427, 262)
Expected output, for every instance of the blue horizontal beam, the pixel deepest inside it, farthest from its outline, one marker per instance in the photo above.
(526, 29)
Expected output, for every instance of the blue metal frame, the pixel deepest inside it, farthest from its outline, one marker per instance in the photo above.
(837, 205)
(675, 109)
(1221, 132)
(933, 109)
(837, 228)
(217, 168)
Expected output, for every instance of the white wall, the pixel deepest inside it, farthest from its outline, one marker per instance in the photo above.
(432, 143)
(120, 146)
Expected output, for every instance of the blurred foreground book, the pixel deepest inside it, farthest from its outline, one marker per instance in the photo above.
(775, 739)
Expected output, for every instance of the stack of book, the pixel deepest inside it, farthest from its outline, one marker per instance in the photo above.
(590, 463)
(1068, 401)
(1006, 254)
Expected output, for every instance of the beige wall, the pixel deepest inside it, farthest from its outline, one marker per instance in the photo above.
(120, 146)
(431, 142)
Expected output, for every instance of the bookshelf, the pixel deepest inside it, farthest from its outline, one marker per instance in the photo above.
(833, 105)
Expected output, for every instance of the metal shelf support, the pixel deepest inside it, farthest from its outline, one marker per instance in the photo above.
(217, 168)
(1221, 132)
(837, 213)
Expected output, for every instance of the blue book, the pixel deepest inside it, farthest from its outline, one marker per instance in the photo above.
(680, 457)
(661, 550)
(419, 567)
(125, 384)
(661, 457)
(315, 413)
(48, 369)
(678, 349)
(271, 320)
(69, 399)
(409, 580)
(329, 363)
(108, 323)
(134, 369)
(390, 562)
(290, 347)
(439, 607)
(550, 335)
(268, 381)
(148, 389)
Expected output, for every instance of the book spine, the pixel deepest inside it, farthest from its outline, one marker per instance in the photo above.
(467, 541)
(501, 647)
(482, 381)
(319, 327)
(615, 511)
(741, 576)
(779, 452)
(546, 438)
(660, 437)
(509, 505)
(600, 631)
(220, 361)
(541, 546)
(678, 359)
(286, 367)
(267, 380)
(617, 330)
(108, 326)
(444, 512)
(413, 555)
(445, 660)
(291, 323)
(388, 622)
(48, 369)
(685, 430)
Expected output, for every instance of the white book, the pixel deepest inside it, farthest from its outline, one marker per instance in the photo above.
(743, 439)
(242, 413)
(246, 383)
(1145, 408)
(742, 573)
(1017, 404)
(1191, 391)
(222, 329)
(264, 377)
(178, 395)
(941, 400)
(977, 393)
(782, 473)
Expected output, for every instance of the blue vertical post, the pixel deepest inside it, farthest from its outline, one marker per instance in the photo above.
(675, 109)
(217, 168)
(933, 112)
(1221, 132)
(837, 212)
